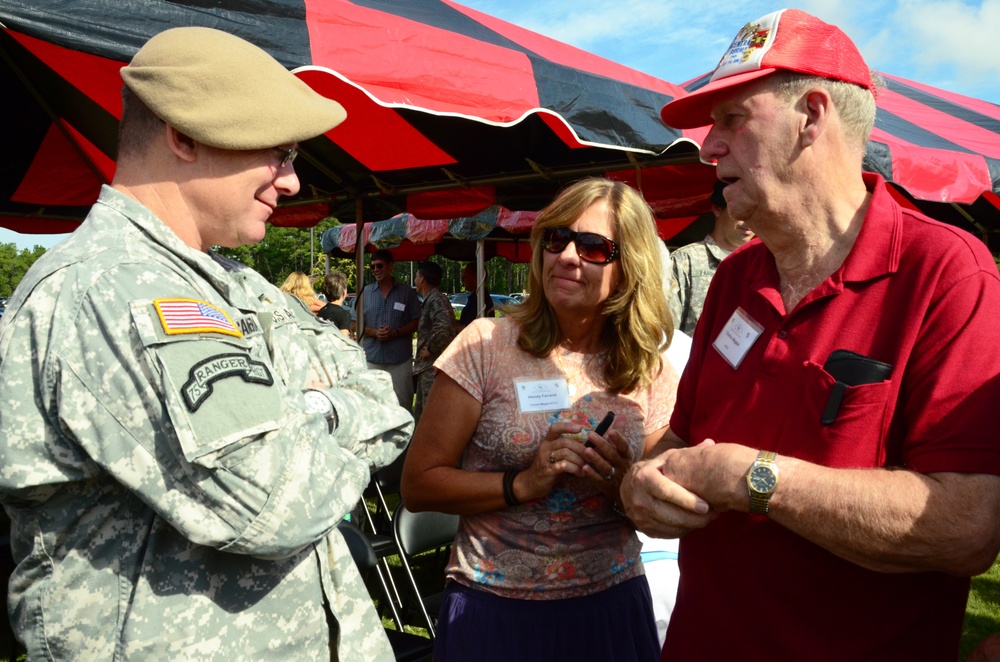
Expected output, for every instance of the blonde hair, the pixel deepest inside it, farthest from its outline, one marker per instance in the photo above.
(638, 318)
(298, 284)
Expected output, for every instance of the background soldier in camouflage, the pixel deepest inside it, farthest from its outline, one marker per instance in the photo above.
(694, 265)
(435, 331)
(178, 439)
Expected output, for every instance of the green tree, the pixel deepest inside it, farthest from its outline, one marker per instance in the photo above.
(285, 250)
(14, 264)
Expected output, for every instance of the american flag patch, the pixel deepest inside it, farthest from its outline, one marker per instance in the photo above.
(193, 316)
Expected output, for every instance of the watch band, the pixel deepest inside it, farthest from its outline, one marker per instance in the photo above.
(758, 503)
(759, 500)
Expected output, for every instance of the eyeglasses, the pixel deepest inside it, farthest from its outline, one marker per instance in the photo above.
(287, 155)
(378, 265)
(589, 246)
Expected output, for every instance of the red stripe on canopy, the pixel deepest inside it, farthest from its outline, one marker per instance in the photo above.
(960, 100)
(936, 174)
(668, 228)
(59, 175)
(495, 83)
(954, 129)
(95, 76)
(455, 202)
(375, 136)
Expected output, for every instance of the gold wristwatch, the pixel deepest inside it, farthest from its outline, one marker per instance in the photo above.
(761, 481)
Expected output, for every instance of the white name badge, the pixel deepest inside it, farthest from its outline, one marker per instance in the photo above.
(737, 336)
(399, 306)
(542, 395)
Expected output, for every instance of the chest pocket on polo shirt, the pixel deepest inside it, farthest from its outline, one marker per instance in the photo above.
(850, 418)
(215, 391)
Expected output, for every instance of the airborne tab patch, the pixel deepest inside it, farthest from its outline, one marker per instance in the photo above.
(193, 316)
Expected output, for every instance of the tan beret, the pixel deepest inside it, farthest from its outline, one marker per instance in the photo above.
(225, 92)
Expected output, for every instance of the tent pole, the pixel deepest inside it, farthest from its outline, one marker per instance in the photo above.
(480, 277)
(359, 261)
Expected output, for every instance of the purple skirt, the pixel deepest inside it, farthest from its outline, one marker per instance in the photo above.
(615, 625)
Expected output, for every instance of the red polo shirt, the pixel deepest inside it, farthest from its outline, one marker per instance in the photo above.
(921, 296)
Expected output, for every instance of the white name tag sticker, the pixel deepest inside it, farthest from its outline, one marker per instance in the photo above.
(542, 395)
(399, 306)
(737, 337)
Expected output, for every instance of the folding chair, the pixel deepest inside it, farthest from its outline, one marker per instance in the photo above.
(378, 529)
(406, 647)
(385, 482)
(417, 533)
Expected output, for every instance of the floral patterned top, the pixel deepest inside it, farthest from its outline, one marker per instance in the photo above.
(570, 543)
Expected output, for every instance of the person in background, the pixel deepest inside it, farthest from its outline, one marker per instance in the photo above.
(832, 461)
(694, 265)
(434, 332)
(335, 289)
(471, 309)
(391, 314)
(298, 285)
(507, 440)
(178, 439)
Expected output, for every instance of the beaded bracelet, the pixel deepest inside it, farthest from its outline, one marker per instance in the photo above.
(508, 487)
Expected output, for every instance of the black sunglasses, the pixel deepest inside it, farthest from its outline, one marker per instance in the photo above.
(589, 246)
(378, 265)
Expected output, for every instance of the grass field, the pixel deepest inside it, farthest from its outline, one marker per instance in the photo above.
(982, 614)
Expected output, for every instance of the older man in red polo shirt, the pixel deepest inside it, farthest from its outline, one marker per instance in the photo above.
(833, 455)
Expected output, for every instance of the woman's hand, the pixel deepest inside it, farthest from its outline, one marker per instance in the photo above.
(557, 455)
(607, 462)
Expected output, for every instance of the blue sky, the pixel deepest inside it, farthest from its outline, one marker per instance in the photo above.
(949, 44)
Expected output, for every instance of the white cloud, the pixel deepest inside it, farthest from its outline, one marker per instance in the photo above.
(953, 36)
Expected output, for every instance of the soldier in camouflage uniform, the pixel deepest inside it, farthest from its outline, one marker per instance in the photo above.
(436, 329)
(694, 265)
(179, 439)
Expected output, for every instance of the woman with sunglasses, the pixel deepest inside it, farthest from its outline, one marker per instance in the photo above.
(545, 566)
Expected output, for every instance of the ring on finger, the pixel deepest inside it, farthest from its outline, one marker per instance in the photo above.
(611, 475)
(552, 457)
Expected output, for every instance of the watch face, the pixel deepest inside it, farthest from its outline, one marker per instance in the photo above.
(762, 479)
(317, 402)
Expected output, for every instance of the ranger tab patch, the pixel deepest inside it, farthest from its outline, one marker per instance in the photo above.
(203, 374)
(193, 316)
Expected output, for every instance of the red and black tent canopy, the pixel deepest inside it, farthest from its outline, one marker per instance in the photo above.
(450, 111)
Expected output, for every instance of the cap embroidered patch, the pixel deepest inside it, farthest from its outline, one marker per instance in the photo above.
(749, 47)
(193, 316)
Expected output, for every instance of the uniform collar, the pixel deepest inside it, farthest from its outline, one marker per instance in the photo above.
(713, 247)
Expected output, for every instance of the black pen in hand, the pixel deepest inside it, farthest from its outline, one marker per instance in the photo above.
(602, 427)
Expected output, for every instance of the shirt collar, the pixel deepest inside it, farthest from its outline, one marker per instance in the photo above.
(877, 249)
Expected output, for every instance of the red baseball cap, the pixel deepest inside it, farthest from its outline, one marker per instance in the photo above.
(788, 39)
